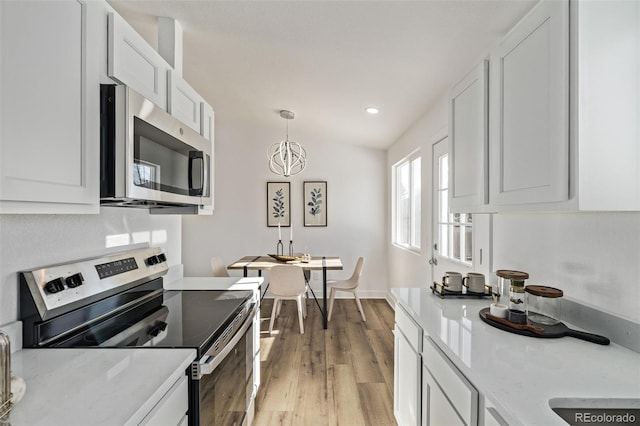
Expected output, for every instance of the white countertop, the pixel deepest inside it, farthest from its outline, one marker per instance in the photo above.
(94, 386)
(519, 374)
(215, 283)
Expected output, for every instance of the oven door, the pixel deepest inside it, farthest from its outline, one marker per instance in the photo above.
(226, 381)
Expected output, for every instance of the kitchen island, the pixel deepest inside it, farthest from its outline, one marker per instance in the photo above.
(514, 376)
(99, 386)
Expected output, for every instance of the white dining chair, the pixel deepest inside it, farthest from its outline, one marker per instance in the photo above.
(218, 267)
(286, 282)
(349, 285)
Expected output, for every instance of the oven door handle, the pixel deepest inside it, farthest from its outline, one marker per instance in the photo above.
(207, 363)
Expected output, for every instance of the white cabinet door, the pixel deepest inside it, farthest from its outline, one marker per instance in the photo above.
(49, 109)
(207, 128)
(469, 138)
(436, 408)
(529, 109)
(452, 385)
(134, 63)
(207, 122)
(406, 404)
(173, 406)
(608, 75)
(184, 102)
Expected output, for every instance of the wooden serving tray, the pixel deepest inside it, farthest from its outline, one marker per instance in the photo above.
(547, 331)
(281, 258)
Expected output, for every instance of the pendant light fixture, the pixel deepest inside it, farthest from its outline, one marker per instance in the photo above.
(286, 157)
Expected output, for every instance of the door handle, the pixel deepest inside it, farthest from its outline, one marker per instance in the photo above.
(433, 261)
(196, 173)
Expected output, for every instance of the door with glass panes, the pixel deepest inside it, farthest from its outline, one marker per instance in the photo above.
(453, 241)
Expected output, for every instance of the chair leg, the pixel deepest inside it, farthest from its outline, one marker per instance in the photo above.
(304, 305)
(273, 314)
(300, 309)
(355, 294)
(332, 296)
(278, 305)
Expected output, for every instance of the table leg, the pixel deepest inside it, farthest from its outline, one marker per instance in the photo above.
(324, 292)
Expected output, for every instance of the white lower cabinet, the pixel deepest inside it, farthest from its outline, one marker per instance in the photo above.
(172, 408)
(429, 390)
(436, 408)
(491, 415)
(407, 368)
(448, 398)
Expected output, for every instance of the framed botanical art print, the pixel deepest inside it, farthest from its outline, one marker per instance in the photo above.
(315, 203)
(278, 204)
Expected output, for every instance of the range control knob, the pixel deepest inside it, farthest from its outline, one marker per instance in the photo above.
(157, 328)
(162, 257)
(152, 260)
(54, 286)
(74, 280)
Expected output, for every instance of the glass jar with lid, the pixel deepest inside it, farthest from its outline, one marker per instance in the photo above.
(512, 283)
(543, 304)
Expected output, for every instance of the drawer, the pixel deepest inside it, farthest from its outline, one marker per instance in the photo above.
(491, 415)
(408, 327)
(461, 393)
(172, 407)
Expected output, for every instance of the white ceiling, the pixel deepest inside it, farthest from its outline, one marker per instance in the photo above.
(327, 60)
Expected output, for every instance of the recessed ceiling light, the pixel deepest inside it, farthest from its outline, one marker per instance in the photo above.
(372, 110)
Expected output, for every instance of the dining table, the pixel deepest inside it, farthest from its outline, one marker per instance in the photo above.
(315, 263)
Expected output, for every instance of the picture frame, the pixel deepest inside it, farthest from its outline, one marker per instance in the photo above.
(315, 203)
(278, 204)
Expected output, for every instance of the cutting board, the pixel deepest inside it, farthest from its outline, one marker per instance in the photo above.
(548, 331)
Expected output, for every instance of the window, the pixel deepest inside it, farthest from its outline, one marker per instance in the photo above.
(407, 202)
(455, 230)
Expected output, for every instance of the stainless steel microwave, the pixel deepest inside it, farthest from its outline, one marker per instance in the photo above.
(148, 158)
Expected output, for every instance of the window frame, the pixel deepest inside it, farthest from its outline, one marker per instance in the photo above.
(414, 207)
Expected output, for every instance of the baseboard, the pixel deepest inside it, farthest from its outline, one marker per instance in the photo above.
(362, 294)
(391, 300)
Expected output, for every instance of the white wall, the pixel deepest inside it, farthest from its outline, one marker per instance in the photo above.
(356, 196)
(407, 269)
(29, 241)
(593, 257)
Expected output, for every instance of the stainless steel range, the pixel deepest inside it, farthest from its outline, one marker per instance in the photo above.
(118, 301)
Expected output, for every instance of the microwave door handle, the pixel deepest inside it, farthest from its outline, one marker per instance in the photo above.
(196, 156)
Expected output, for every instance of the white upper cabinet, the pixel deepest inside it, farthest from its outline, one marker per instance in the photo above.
(207, 129)
(469, 138)
(134, 63)
(184, 102)
(608, 103)
(529, 109)
(207, 122)
(564, 102)
(49, 108)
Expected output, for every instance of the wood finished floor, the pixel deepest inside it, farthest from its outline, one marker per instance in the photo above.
(339, 376)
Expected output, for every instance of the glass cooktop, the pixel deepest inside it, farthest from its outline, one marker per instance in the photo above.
(175, 319)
